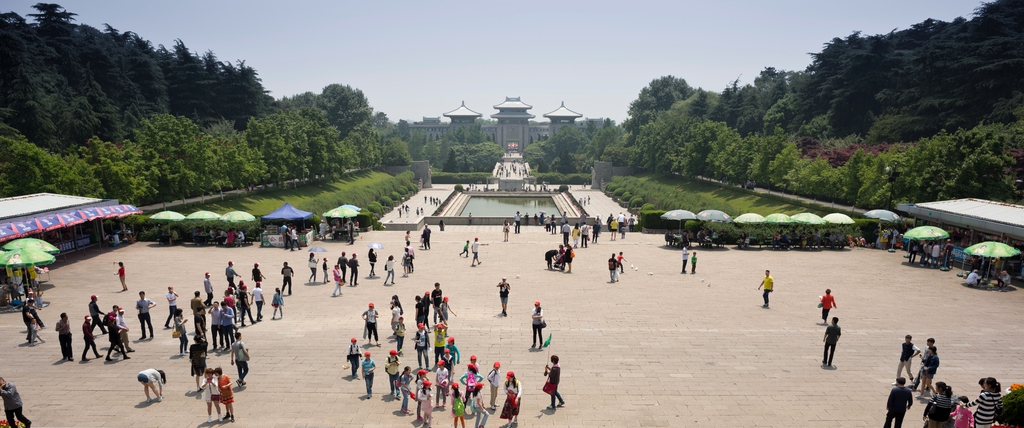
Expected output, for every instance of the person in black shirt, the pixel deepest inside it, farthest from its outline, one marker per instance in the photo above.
(435, 299)
(503, 289)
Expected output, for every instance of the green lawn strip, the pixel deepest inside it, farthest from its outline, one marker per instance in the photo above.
(311, 197)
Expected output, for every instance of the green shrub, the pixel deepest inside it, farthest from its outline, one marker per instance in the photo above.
(375, 208)
(563, 188)
(625, 197)
(396, 197)
(1013, 408)
(413, 188)
(559, 178)
(651, 219)
(459, 188)
(459, 177)
(866, 227)
(402, 190)
(635, 201)
(610, 187)
(618, 192)
(386, 201)
(647, 207)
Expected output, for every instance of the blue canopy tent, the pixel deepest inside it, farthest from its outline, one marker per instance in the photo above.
(287, 212)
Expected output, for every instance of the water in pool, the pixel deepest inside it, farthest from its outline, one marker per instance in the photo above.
(485, 206)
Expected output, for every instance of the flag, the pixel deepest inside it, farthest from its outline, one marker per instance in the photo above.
(547, 342)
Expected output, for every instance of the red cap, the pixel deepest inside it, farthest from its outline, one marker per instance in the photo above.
(446, 298)
(422, 372)
(371, 304)
(420, 325)
(93, 297)
(455, 385)
(510, 373)
(88, 317)
(427, 383)
(479, 385)
(497, 364)
(451, 340)
(230, 263)
(471, 366)
(472, 357)
(447, 351)
(353, 340)
(207, 274)
(537, 303)
(366, 354)
(394, 352)
(255, 265)
(439, 325)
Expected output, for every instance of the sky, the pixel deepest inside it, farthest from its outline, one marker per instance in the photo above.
(423, 58)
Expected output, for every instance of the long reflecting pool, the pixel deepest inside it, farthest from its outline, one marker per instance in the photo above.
(490, 206)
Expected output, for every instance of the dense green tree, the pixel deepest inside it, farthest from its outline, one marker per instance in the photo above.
(395, 153)
(452, 163)
(346, 108)
(655, 98)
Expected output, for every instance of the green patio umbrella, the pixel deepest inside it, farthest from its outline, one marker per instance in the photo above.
(778, 219)
(31, 244)
(352, 206)
(25, 258)
(341, 212)
(991, 249)
(836, 218)
(167, 216)
(679, 215)
(807, 218)
(203, 215)
(714, 215)
(237, 217)
(750, 218)
(925, 233)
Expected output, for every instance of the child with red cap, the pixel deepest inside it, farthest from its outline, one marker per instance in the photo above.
(458, 407)
(442, 386)
(494, 378)
(513, 398)
(368, 367)
(478, 404)
(422, 345)
(392, 368)
(423, 395)
(353, 357)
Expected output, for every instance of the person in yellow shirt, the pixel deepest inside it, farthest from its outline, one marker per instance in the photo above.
(769, 284)
(440, 340)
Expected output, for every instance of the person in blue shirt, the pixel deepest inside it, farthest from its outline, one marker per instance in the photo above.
(227, 325)
(368, 367)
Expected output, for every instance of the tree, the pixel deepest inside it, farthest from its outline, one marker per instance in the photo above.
(656, 97)
(451, 164)
(346, 108)
(395, 153)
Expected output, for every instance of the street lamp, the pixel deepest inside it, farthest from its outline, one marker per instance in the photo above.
(893, 175)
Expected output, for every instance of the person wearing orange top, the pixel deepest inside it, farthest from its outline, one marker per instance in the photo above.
(827, 302)
(227, 396)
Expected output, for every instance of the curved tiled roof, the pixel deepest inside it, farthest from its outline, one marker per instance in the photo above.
(511, 102)
(563, 112)
(462, 112)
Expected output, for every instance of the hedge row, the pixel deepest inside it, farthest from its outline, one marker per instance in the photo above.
(559, 178)
(459, 177)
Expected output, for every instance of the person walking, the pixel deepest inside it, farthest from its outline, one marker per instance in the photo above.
(537, 314)
(114, 336)
(503, 288)
(899, 402)
(828, 301)
(180, 332)
(476, 252)
(215, 315)
(368, 366)
(494, 379)
(936, 413)
(257, 297)
(227, 395)
(391, 367)
(343, 264)
(153, 379)
(479, 410)
(198, 313)
(143, 305)
(120, 276)
(922, 369)
(370, 316)
(423, 396)
(513, 398)
(931, 366)
(422, 345)
(286, 273)
(371, 257)
(353, 357)
(172, 302)
(566, 231)
(208, 287)
(96, 315)
(425, 236)
(211, 394)
(240, 358)
(353, 266)
(64, 337)
(122, 329)
(312, 263)
(404, 384)
(277, 303)
(197, 359)
(243, 301)
(389, 269)
(553, 372)
(768, 283)
(13, 406)
(338, 281)
(831, 338)
(465, 250)
(961, 416)
(90, 341)
(908, 351)
(230, 273)
(227, 325)
(686, 254)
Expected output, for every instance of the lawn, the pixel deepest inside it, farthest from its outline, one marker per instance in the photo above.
(305, 197)
(673, 192)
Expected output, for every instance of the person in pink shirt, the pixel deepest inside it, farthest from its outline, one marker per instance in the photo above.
(961, 414)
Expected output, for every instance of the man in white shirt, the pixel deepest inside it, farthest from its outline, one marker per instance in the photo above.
(494, 378)
(371, 324)
(257, 296)
(208, 286)
(122, 328)
(476, 252)
(974, 278)
(518, 218)
(172, 301)
(686, 254)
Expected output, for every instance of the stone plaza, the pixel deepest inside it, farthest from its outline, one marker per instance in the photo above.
(659, 348)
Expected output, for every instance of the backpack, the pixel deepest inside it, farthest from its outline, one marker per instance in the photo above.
(458, 406)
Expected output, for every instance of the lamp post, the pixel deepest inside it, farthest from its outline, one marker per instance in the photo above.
(893, 175)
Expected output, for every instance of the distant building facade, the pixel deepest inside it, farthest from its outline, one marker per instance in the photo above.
(513, 132)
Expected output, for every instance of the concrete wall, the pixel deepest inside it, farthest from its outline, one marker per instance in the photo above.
(604, 172)
(420, 172)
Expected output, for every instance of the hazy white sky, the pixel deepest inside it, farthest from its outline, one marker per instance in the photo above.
(415, 59)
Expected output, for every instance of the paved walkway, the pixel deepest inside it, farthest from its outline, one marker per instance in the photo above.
(438, 191)
(599, 205)
(658, 349)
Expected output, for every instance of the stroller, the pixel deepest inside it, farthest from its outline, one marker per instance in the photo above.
(555, 260)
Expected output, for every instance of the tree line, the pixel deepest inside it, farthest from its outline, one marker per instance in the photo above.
(932, 112)
(105, 114)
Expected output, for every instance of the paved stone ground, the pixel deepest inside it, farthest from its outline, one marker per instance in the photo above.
(657, 349)
(439, 191)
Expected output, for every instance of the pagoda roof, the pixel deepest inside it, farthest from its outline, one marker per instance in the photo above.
(512, 115)
(462, 112)
(511, 102)
(563, 112)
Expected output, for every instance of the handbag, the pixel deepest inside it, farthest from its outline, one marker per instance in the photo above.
(549, 388)
(176, 334)
(543, 324)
